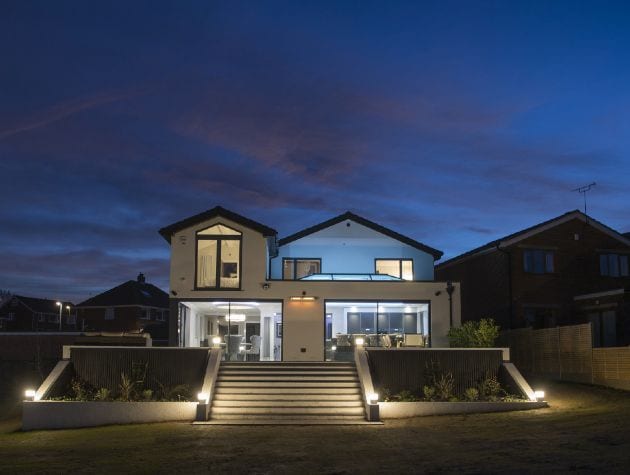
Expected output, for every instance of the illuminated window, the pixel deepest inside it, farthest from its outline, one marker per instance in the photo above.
(296, 268)
(218, 258)
(401, 268)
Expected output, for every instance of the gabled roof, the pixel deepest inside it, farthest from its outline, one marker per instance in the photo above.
(131, 293)
(513, 238)
(168, 231)
(38, 305)
(368, 224)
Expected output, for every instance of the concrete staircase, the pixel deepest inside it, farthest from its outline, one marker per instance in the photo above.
(258, 393)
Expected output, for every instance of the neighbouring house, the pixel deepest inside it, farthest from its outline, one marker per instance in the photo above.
(29, 314)
(567, 270)
(134, 306)
(311, 296)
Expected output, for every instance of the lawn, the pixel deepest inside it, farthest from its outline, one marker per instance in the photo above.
(587, 429)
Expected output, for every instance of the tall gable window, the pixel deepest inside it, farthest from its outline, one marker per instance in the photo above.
(218, 258)
(293, 269)
(401, 268)
(613, 265)
(538, 261)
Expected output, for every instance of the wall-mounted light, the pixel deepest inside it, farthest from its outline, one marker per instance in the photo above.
(265, 286)
(303, 298)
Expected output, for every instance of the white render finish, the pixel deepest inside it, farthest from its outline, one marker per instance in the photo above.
(303, 322)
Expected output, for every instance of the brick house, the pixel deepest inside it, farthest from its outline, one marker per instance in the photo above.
(568, 270)
(27, 314)
(133, 306)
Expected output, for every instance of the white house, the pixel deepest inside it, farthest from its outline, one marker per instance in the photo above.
(306, 297)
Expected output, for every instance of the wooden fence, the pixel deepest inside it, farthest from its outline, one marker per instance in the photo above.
(566, 353)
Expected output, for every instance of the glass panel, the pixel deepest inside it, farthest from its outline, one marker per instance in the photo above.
(354, 323)
(368, 324)
(230, 263)
(218, 230)
(623, 266)
(613, 265)
(603, 264)
(609, 328)
(304, 267)
(407, 269)
(287, 269)
(206, 263)
(395, 323)
(539, 263)
(389, 267)
(410, 323)
(549, 262)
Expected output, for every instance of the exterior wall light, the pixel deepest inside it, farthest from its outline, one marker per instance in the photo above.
(372, 398)
(539, 395)
(359, 341)
(203, 398)
(216, 341)
(30, 394)
(333, 348)
(303, 298)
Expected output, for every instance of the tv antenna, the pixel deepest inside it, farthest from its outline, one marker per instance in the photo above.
(584, 189)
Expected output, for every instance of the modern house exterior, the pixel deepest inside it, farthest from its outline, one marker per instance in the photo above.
(567, 270)
(133, 306)
(311, 296)
(28, 314)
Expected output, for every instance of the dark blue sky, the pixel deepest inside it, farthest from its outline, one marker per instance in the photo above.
(451, 122)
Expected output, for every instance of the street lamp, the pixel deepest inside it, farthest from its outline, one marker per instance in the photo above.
(60, 305)
(68, 321)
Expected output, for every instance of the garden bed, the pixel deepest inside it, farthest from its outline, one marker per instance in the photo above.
(398, 410)
(69, 414)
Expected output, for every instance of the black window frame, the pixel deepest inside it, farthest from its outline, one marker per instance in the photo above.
(400, 266)
(295, 259)
(544, 252)
(219, 238)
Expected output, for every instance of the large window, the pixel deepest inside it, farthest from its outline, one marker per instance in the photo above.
(538, 261)
(218, 258)
(613, 265)
(401, 268)
(296, 268)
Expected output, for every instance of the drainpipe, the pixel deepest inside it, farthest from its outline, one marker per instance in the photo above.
(450, 288)
(509, 275)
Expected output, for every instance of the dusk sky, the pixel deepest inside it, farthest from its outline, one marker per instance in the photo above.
(453, 123)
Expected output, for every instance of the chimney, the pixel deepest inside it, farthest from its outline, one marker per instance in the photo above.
(141, 278)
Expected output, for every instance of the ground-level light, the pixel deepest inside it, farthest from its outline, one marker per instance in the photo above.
(372, 398)
(539, 395)
(30, 394)
(203, 398)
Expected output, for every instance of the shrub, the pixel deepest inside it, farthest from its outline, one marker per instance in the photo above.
(429, 392)
(407, 396)
(444, 386)
(471, 394)
(490, 388)
(102, 394)
(386, 394)
(181, 392)
(81, 390)
(147, 395)
(482, 334)
(126, 387)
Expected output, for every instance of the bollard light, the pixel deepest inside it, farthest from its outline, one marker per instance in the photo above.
(30, 394)
(372, 398)
(359, 341)
(203, 398)
(539, 395)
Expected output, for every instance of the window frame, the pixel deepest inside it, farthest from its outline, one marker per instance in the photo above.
(295, 259)
(218, 238)
(607, 256)
(400, 266)
(545, 254)
(109, 311)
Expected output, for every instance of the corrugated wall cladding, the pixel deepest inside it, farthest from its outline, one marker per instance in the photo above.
(102, 367)
(411, 369)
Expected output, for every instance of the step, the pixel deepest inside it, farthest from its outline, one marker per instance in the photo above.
(344, 411)
(286, 384)
(356, 396)
(285, 403)
(289, 371)
(286, 422)
(285, 390)
(290, 378)
(308, 364)
(286, 417)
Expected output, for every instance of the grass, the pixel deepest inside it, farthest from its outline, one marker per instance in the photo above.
(586, 429)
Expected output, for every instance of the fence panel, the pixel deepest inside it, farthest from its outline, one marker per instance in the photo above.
(611, 367)
(546, 359)
(576, 353)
